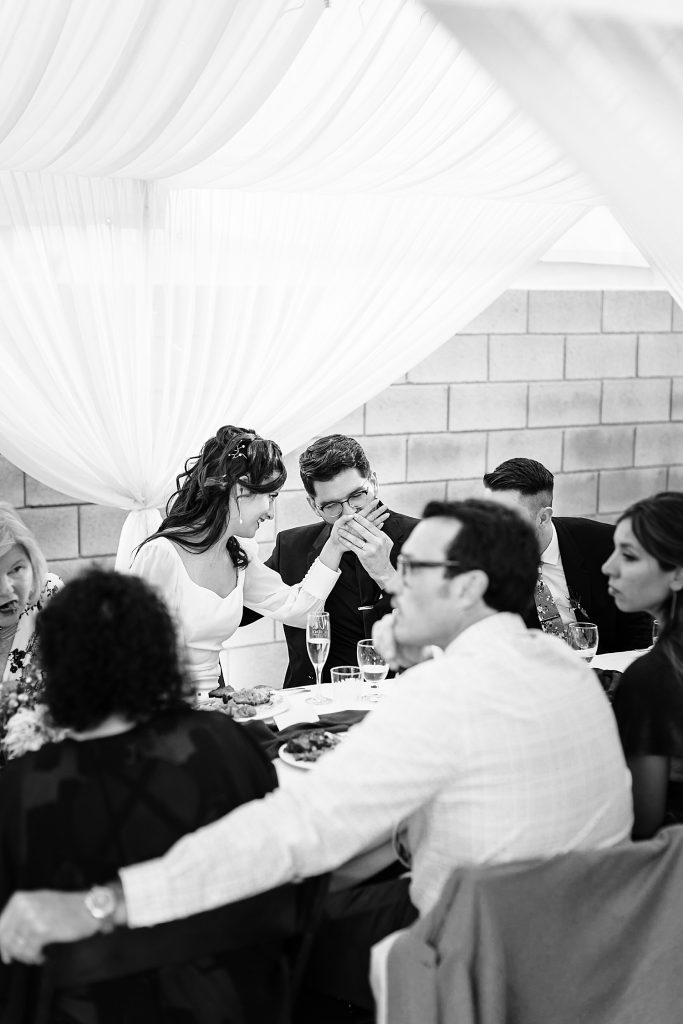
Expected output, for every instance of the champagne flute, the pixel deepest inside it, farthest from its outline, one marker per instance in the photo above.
(373, 667)
(583, 638)
(318, 644)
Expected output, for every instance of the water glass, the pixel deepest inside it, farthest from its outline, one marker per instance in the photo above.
(583, 638)
(345, 674)
(373, 667)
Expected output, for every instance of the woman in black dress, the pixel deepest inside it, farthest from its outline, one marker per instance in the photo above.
(138, 770)
(646, 574)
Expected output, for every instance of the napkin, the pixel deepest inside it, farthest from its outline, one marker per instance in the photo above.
(270, 741)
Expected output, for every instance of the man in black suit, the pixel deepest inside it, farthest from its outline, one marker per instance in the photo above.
(338, 481)
(573, 551)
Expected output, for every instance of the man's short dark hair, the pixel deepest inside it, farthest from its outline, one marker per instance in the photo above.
(524, 475)
(497, 540)
(329, 456)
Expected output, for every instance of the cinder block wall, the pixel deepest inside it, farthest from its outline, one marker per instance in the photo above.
(589, 383)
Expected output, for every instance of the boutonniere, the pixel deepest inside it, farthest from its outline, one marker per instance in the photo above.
(579, 611)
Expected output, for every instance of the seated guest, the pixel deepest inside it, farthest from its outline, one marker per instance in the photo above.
(503, 748)
(25, 586)
(203, 557)
(645, 573)
(570, 585)
(337, 478)
(138, 770)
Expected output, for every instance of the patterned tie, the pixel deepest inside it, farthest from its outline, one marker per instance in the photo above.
(548, 615)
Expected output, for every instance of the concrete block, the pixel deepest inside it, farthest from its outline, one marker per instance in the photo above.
(464, 357)
(387, 456)
(435, 456)
(41, 494)
(410, 499)
(260, 632)
(526, 357)
(543, 445)
(635, 401)
(459, 490)
(100, 529)
(564, 403)
(487, 406)
(659, 444)
(68, 568)
(264, 663)
(598, 448)
(677, 400)
(619, 488)
(11, 483)
(56, 530)
(677, 323)
(563, 312)
(675, 482)
(575, 494)
(599, 355)
(292, 509)
(407, 408)
(637, 311)
(660, 355)
(352, 424)
(507, 314)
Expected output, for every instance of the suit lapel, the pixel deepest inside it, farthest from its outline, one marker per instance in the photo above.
(576, 571)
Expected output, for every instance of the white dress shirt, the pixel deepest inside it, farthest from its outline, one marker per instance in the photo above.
(553, 576)
(504, 748)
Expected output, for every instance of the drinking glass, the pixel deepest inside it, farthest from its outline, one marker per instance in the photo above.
(345, 674)
(583, 638)
(373, 667)
(318, 644)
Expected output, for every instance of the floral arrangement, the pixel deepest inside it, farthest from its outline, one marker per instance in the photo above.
(24, 720)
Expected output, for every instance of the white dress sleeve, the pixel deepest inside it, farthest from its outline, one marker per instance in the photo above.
(265, 592)
(159, 565)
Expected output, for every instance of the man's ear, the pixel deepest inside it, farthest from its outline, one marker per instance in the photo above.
(472, 586)
(311, 502)
(544, 516)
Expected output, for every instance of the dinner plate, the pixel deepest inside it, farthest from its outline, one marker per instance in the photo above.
(276, 706)
(289, 758)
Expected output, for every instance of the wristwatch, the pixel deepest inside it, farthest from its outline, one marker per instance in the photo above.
(102, 902)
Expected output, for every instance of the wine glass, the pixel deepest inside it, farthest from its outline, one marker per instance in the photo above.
(318, 644)
(583, 638)
(373, 667)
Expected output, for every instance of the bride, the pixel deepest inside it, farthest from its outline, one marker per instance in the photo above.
(203, 558)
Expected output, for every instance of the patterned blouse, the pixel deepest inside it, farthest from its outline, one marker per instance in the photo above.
(24, 642)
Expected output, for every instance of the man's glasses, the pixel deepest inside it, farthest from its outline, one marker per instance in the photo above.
(355, 501)
(408, 566)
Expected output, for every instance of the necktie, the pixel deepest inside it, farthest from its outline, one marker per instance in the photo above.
(548, 615)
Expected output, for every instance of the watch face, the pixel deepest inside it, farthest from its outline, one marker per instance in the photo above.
(100, 901)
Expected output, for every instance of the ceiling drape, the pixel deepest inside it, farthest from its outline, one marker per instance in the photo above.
(215, 210)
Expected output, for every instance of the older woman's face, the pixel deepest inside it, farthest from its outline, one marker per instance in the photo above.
(16, 581)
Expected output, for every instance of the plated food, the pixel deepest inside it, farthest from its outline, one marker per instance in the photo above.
(304, 750)
(248, 704)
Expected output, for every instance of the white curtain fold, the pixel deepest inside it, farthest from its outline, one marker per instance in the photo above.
(133, 322)
(606, 82)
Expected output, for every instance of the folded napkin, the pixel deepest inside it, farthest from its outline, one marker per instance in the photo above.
(271, 740)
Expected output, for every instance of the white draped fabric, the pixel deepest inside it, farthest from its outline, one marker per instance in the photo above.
(215, 210)
(605, 80)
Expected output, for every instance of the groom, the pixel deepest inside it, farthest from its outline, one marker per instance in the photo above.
(336, 475)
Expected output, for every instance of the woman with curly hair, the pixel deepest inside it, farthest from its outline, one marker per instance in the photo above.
(203, 557)
(646, 574)
(25, 586)
(138, 769)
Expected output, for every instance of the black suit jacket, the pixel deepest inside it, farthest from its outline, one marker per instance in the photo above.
(584, 546)
(294, 552)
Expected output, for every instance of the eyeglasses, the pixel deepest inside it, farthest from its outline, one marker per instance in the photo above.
(355, 501)
(408, 566)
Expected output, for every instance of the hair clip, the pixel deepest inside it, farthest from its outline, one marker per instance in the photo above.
(241, 449)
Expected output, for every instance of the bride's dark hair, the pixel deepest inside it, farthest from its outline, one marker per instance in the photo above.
(196, 512)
